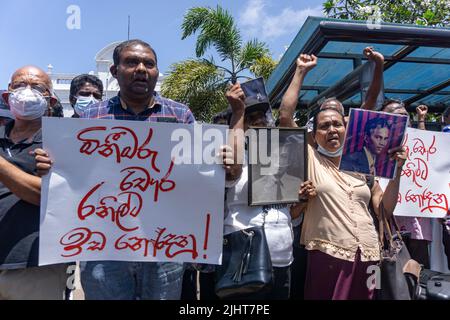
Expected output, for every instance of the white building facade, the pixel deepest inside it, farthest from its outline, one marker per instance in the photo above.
(104, 60)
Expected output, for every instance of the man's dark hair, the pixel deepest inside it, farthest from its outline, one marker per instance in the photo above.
(81, 80)
(319, 111)
(126, 44)
(375, 123)
(222, 117)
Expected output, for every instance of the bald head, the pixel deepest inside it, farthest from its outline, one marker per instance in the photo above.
(33, 76)
(37, 79)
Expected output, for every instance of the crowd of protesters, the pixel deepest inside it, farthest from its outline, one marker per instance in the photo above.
(320, 247)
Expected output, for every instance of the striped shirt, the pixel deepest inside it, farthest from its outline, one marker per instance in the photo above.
(163, 110)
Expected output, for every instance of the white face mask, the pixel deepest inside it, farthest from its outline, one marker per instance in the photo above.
(83, 103)
(27, 104)
(330, 154)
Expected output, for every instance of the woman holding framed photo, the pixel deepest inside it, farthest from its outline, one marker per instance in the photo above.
(338, 229)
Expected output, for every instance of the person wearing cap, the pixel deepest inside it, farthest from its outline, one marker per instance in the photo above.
(250, 107)
(29, 98)
(85, 91)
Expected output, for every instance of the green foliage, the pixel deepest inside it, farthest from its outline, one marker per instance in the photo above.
(201, 83)
(252, 51)
(263, 67)
(421, 12)
(216, 28)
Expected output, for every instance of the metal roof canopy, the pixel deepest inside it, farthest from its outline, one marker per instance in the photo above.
(416, 69)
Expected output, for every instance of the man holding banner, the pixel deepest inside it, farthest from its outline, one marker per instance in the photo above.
(135, 68)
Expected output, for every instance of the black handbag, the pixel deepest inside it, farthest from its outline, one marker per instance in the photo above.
(399, 273)
(446, 239)
(246, 264)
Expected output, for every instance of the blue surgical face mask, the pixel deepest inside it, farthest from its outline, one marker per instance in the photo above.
(330, 154)
(83, 103)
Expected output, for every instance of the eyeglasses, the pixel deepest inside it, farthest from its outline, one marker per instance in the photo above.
(23, 85)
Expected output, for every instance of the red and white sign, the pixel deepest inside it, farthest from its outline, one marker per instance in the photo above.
(425, 181)
(116, 192)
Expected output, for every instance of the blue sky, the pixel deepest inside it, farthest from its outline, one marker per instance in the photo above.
(35, 32)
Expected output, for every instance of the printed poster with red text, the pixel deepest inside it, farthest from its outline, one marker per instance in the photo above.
(132, 191)
(425, 178)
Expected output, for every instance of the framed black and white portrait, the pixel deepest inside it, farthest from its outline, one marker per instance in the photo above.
(277, 165)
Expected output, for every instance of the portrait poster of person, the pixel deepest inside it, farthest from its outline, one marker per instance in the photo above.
(276, 179)
(369, 137)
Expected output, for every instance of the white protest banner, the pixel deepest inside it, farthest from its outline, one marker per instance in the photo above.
(132, 191)
(425, 181)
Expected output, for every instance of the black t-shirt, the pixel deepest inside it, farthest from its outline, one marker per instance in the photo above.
(19, 220)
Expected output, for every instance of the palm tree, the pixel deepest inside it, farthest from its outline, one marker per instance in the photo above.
(201, 83)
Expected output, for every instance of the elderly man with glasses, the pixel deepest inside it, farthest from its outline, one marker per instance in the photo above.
(29, 98)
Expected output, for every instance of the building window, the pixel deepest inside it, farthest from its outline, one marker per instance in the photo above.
(63, 81)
